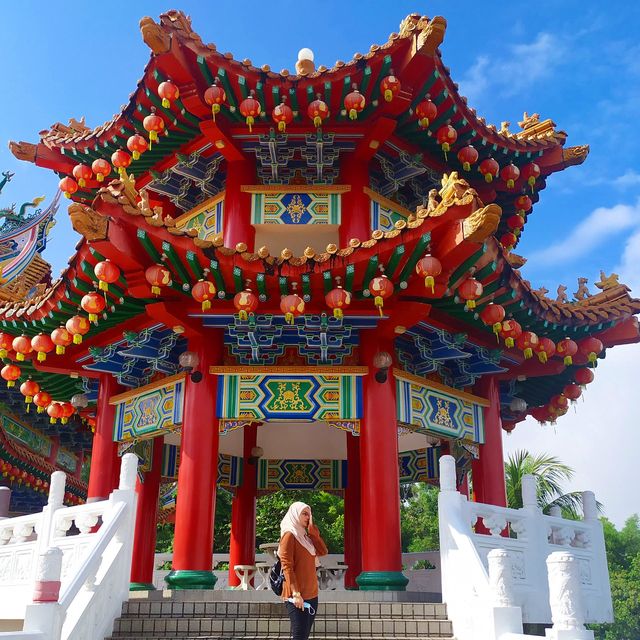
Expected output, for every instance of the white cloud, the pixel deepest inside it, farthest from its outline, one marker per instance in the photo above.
(601, 439)
(525, 64)
(593, 231)
(628, 179)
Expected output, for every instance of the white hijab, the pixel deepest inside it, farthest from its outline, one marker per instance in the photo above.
(291, 523)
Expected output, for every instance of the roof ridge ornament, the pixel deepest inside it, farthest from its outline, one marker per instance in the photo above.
(154, 36)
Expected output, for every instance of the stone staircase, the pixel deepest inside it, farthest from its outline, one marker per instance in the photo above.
(224, 615)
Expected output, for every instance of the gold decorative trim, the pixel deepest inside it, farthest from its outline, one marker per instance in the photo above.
(181, 220)
(295, 188)
(389, 204)
(298, 370)
(438, 386)
(157, 384)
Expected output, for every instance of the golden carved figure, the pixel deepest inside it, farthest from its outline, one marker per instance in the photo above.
(607, 282)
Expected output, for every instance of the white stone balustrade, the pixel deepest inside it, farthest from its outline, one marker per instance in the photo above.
(486, 578)
(82, 553)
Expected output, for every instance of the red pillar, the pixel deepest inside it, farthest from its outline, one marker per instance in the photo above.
(352, 509)
(488, 471)
(379, 475)
(237, 225)
(198, 471)
(355, 204)
(242, 549)
(103, 477)
(144, 537)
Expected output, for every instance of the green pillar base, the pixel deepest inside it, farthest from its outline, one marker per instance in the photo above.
(141, 586)
(382, 581)
(184, 579)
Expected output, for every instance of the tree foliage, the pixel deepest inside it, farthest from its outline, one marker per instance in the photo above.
(419, 518)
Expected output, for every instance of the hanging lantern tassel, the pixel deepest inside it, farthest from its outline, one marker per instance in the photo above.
(542, 356)
(470, 304)
(528, 353)
(60, 349)
(243, 315)
(337, 313)
(206, 304)
(42, 356)
(93, 317)
(496, 329)
(509, 342)
(250, 122)
(289, 317)
(153, 136)
(568, 361)
(429, 283)
(445, 149)
(215, 108)
(103, 286)
(379, 302)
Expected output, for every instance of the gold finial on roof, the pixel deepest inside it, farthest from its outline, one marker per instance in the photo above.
(529, 120)
(504, 127)
(607, 282)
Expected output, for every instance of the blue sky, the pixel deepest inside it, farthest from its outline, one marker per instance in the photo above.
(575, 61)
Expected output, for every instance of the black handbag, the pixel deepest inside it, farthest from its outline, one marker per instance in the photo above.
(276, 577)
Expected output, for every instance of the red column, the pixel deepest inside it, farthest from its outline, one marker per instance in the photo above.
(237, 225)
(355, 204)
(144, 537)
(488, 471)
(242, 549)
(103, 477)
(198, 471)
(379, 476)
(352, 509)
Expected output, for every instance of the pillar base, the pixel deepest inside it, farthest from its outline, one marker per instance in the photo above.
(185, 579)
(382, 581)
(141, 586)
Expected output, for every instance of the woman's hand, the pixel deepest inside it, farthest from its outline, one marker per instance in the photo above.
(313, 530)
(298, 602)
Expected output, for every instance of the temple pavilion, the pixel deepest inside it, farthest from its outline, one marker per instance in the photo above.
(286, 279)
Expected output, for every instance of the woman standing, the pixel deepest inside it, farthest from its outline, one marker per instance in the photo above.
(300, 546)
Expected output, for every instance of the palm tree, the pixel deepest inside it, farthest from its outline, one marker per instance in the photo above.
(550, 474)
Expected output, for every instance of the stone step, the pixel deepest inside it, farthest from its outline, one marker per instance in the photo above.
(172, 608)
(351, 627)
(285, 637)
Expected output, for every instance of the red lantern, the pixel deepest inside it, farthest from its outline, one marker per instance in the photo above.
(78, 326)
(28, 389)
(489, 169)
(10, 373)
(591, 347)
(390, 86)
(137, 144)
(101, 168)
(120, 160)
(446, 136)
(22, 347)
(82, 173)
(523, 204)
(168, 92)
(204, 291)
(68, 186)
(55, 411)
(515, 222)
(42, 400)
(61, 338)
(107, 273)
(43, 344)
(381, 287)
(157, 276)
(318, 111)
(354, 103)
(429, 268)
(531, 172)
(572, 391)
(470, 290)
(6, 344)
(282, 115)
(426, 112)
(215, 96)
(93, 303)
(510, 174)
(292, 306)
(527, 341)
(493, 315)
(467, 156)
(508, 427)
(154, 124)
(559, 403)
(567, 348)
(510, 331)
(250, 108)
(245, 302)
(67, 411)
(508, 240)
(541, 414)
(545, 349)
(337, 299)
(583, 377)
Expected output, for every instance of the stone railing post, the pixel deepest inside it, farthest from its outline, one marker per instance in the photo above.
(500, 578)
(5, 500)
(447, 474)
(529, 491)
(54, 502)
(589, 506)
(565, 598)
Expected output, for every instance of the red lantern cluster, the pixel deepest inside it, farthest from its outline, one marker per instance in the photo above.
(6, 344)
